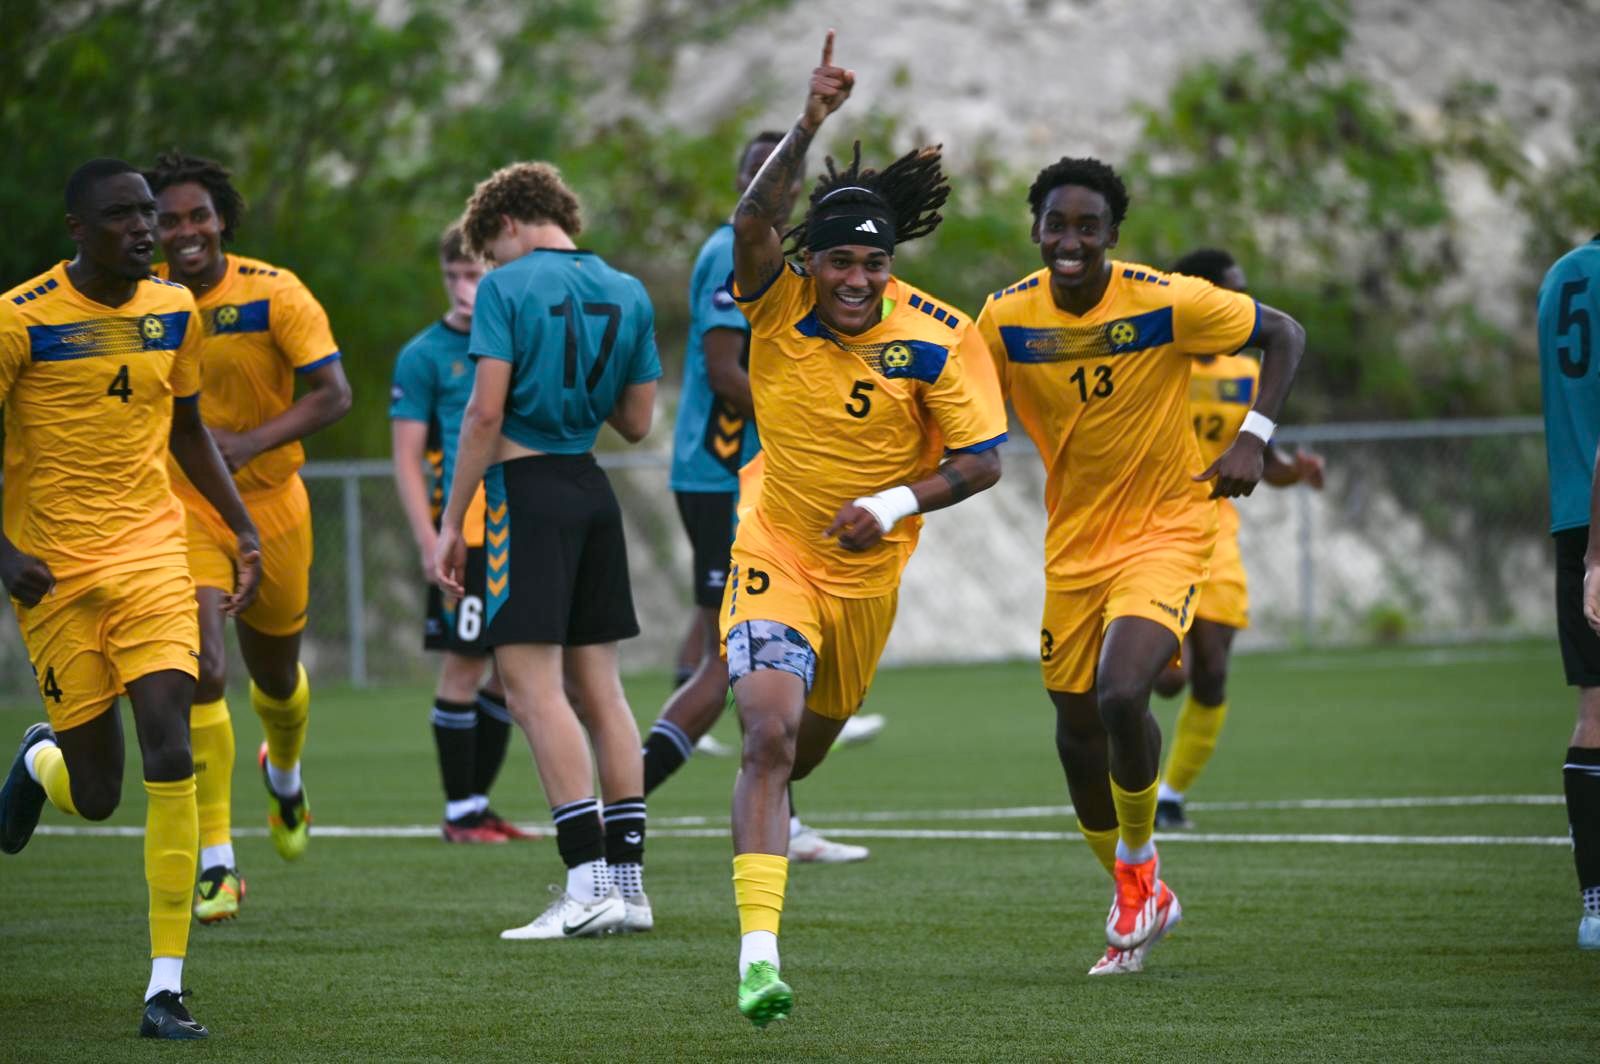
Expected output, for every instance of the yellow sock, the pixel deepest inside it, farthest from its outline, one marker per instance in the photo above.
(758, 882)
(1136, 813)
(1193, 741)
(211, 739)
(1103, 844)
(284, 721)
(171, 847)
(52, 769)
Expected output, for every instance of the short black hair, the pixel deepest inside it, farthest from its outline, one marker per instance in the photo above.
(90, 174)
(766, 136)
(909, 190)
(1207, 263)
(176, 168)
(1086, 172)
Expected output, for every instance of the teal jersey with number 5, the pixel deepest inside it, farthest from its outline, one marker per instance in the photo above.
(576, 333)
(1569, 370)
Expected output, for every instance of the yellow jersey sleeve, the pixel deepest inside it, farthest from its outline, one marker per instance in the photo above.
(1207, 320)
(965, 400)
(13, 351)
(300, 327)
(782, 301)
(989, 334)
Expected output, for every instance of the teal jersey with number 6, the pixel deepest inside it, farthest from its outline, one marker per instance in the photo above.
(576, 333)
(1569, 370)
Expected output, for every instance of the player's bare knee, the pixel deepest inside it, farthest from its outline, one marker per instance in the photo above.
(769, 744)
(1122, 702)
(1170, 682)
(96, 797)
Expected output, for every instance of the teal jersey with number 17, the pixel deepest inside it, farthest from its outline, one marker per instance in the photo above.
(1569, 370)
(576, 333)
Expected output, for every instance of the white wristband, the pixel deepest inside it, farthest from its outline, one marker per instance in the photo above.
(889, 506)
(1259, 425)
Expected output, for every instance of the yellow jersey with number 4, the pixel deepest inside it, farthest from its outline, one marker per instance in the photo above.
(1105, 398)
(262, 326)
(847, 416)
(1221, 392)
(88, 392)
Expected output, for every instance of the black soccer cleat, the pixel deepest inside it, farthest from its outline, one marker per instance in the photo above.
(166, 1017)
(21, 798)
(1170, 816)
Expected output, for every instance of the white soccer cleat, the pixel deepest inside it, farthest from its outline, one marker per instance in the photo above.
(860, 728)
(1589, 932)
(636, 914)
(807, 844)
(567, 917)
(711, 747)
(1130, 961)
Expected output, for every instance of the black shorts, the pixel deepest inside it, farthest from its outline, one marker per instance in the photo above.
(708, 519)
(560, 571)
(1580, 647)
(458, 630)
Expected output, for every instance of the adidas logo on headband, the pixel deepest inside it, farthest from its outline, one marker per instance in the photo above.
(866, 227)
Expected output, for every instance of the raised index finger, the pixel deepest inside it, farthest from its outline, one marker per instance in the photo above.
(827, 49)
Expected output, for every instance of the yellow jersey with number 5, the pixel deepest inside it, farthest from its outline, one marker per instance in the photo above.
(847, 416)
(262, 326)
(1105, 398)
(88, 392)
(1221, 392)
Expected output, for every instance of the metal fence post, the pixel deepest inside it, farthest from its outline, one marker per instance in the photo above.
(354, 586)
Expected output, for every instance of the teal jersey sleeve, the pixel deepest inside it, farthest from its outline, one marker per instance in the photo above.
(1569, 373)
(412, 393)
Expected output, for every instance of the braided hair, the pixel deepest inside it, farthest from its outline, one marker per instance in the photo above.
(176, 168)
(909, 191)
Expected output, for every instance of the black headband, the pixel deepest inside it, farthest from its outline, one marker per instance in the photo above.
(852, 223)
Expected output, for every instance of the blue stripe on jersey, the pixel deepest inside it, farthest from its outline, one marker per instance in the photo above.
(1124, 336)
(107, 336)
(978, 448)
(1569, 371)
(242, 318)
(1236, 390)
(318, 364)
(924, 362)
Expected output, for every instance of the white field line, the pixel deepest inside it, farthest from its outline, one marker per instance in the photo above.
(690, 827)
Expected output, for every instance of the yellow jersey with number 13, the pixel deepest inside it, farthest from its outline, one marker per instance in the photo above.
(88, 392)
(1105, 398)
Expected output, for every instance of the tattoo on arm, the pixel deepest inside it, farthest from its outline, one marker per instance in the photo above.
(764, 197)
(959, 488)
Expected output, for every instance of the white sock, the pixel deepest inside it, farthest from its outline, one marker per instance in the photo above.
(457, 810)
(212, 856)
(480, 802)
(795, 827)
(590, 881)
(33, 752)
(166, 973)
(285, 781)
(628, 877)
(757, 946)
(1167, 794)
(1139, 856)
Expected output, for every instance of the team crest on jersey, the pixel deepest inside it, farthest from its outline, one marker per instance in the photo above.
(228, 315)
(897, 356)
(1123, 333)
(457, 368)
(152, 328)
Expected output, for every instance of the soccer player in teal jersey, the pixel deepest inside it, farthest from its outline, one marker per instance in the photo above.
(563, 343)
(1569, 370)
(432, 381)
(715, 435)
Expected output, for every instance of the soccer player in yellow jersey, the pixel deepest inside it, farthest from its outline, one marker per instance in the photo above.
(262, 331)
(876, 402)
(1221, 389)
(99, 374)
(1094, 355)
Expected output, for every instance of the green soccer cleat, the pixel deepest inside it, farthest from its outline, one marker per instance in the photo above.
(763, 997)
(218, 894)
(288, 819)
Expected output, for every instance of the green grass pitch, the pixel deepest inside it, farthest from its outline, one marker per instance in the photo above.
(385, 949)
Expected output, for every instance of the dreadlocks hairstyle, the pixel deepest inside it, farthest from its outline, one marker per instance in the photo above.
(1207, 263)
(528, 192)
(176, 168)
(909, 192)
(1087, 173)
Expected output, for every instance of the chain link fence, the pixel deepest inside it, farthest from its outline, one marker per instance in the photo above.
(1426, 532)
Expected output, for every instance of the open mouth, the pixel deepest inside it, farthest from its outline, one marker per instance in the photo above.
(1068, 266)
(852, 300)
(142, 250)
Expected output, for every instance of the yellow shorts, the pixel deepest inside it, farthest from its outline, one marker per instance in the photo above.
(1225, 596)
(1160, 587)
(283, 518)
(847, 635)
(94, 634)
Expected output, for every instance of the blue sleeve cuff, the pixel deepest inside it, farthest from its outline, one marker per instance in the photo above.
(318, 364)
(978, 448)
(195, 398)
(1255, 330)
(758, 293)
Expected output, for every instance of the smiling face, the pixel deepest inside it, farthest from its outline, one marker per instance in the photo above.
(115, 229)
(850, 282)
(1074, 232)
(190, 231)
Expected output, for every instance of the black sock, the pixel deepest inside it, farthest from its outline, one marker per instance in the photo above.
(492, 733)
(453, 726)
(579, 837)
(666, 748)
(1581, 775)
